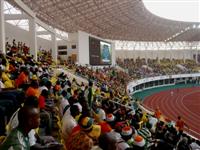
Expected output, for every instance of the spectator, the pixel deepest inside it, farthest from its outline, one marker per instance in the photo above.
(22, 78)
(183, 144)
(79, 141)
(87, 125)
(194, 144)
(29, 118)
(33, 90)
(90, 94)
(69, 122)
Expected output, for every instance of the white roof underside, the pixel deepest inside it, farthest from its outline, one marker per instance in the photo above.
(110, 19)
(9, 9)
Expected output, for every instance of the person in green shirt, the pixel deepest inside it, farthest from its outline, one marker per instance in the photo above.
(29, 118)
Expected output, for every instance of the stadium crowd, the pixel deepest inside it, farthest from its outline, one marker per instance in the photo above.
(140, 68)
(42, 108)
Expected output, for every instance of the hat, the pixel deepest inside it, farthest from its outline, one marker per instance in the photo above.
(97, 104)
(96, 131)
(132, 112)
(126, 131)
(79, 106)
(102, 114)
(34, 77)
(87, 124)
(110, 117)
(57, 87)
(45, 80)
(40, 69)
(105, 127)
(139, 141)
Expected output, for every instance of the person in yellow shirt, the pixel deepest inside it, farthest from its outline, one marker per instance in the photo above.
(144, 118)
(6, 80)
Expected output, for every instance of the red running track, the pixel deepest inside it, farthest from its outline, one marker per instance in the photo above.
(184, 102)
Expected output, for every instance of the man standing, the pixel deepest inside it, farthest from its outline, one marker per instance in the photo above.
(180, 125)
(90, 94)
(157, 113)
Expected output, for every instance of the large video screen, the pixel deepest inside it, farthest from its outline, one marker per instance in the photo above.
(100, 52)
(105, 52)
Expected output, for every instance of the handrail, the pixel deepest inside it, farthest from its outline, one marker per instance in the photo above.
(146, 80)
(135, 83)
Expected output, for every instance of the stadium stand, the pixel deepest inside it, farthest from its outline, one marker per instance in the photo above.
(51, 106)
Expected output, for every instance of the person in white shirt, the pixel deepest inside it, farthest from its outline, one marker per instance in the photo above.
(13, 123)
(31, 101)
(64, 104)
(69, 122)
(153, 121)
(194, 145)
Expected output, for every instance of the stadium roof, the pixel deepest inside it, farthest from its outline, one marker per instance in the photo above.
(112, 19)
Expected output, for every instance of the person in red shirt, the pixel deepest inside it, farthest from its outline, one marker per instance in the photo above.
(157, 113)
(180, 125)
(42, 99)
(33, 89)
(22, 78)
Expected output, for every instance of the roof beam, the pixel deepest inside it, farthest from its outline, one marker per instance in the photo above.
(44, 25)
(16, 16)
(26, 9)
(42, 32)
(61, 37)
(47, 32)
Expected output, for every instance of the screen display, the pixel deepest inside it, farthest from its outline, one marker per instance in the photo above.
(105, 52)
(99, 52)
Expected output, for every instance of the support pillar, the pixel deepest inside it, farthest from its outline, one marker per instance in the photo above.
(197, 56)
(184, 59)
(146, 57)
(54, 48)
(2, 28)
(33, 38)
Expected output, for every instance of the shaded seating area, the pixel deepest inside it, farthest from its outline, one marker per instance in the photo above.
(96, 114)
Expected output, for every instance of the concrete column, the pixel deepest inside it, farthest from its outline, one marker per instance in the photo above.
(158, 57)
(197, 56)
(184, 57)
(2, 28)
(171, 55)
(146, 57)
(54, 48)
(33, 38)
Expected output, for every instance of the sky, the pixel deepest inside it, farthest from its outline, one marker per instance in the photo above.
(179, 10)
